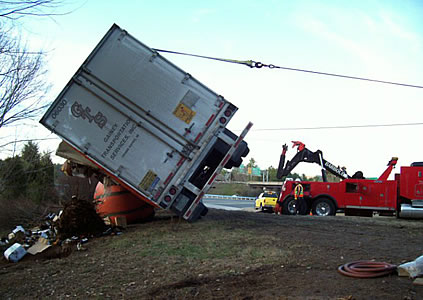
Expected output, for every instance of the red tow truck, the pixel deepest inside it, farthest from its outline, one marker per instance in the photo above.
(353, 195)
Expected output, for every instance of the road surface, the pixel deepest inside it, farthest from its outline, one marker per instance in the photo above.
(228, 204)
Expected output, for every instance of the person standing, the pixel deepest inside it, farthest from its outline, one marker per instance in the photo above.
(300, 204)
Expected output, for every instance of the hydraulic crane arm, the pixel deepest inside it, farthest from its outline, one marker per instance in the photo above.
(391, 165)
(305, 155)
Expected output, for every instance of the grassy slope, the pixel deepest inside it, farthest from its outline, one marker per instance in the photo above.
(145, 256)
(226, 255)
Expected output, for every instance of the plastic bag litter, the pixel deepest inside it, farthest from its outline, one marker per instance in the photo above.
(412, 269)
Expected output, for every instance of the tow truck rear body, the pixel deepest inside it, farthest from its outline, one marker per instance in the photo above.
(402, 196)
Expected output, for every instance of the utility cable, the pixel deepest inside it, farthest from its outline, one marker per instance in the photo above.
(254, 64)
(336, 127)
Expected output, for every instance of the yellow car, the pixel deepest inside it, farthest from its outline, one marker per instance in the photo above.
(266, 201)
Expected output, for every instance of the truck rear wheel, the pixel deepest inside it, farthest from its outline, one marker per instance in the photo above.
(288, 206)
(323, 207)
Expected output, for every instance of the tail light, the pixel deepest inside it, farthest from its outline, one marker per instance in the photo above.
(172, 191)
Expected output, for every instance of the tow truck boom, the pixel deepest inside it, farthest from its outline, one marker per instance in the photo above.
(305, 155)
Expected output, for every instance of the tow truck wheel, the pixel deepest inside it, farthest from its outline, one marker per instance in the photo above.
(288, 206)
(323, 207)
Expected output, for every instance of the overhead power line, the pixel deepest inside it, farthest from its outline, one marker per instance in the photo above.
(27, 140)
(335, 127)
(254, 64)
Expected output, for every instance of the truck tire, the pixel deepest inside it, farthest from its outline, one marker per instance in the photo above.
(288, 206)
(204, 211)
(323, 207)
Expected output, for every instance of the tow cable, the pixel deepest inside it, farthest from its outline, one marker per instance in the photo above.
(366, 269)
(255, 64)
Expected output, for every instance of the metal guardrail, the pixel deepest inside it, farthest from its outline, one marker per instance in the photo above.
(224, 197)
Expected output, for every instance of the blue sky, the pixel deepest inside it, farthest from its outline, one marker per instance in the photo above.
(375, 39)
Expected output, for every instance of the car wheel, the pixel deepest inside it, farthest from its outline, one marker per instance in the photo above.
(288, 206)
(323, 207)
(261, 207)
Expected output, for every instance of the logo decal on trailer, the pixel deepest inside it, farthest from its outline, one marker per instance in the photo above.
(79, 112)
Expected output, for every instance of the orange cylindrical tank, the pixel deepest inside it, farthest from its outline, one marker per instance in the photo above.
(116, 201)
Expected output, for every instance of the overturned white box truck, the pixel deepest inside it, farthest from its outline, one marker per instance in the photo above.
(147, 124)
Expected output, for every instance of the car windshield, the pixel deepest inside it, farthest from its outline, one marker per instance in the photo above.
(270, 195)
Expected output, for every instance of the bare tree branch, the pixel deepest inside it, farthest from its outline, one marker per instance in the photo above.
(14, 10)
(23, 82)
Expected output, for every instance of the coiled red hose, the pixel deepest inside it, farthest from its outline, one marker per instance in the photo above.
(366, 269)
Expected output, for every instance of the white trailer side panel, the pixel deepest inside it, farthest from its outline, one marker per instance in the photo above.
(140, 118)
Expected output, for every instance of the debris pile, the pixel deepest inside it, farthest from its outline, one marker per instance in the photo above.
(57, 234)
(79, 218)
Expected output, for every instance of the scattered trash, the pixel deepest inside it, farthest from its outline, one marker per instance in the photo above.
(4, 242)
(108, 231)
(18, 229)
(58, 234)
(79, 247)
(11, 236)
(411, 269)
(15, 252)
(39, 246)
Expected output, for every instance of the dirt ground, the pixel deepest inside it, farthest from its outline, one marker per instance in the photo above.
(225, 255)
